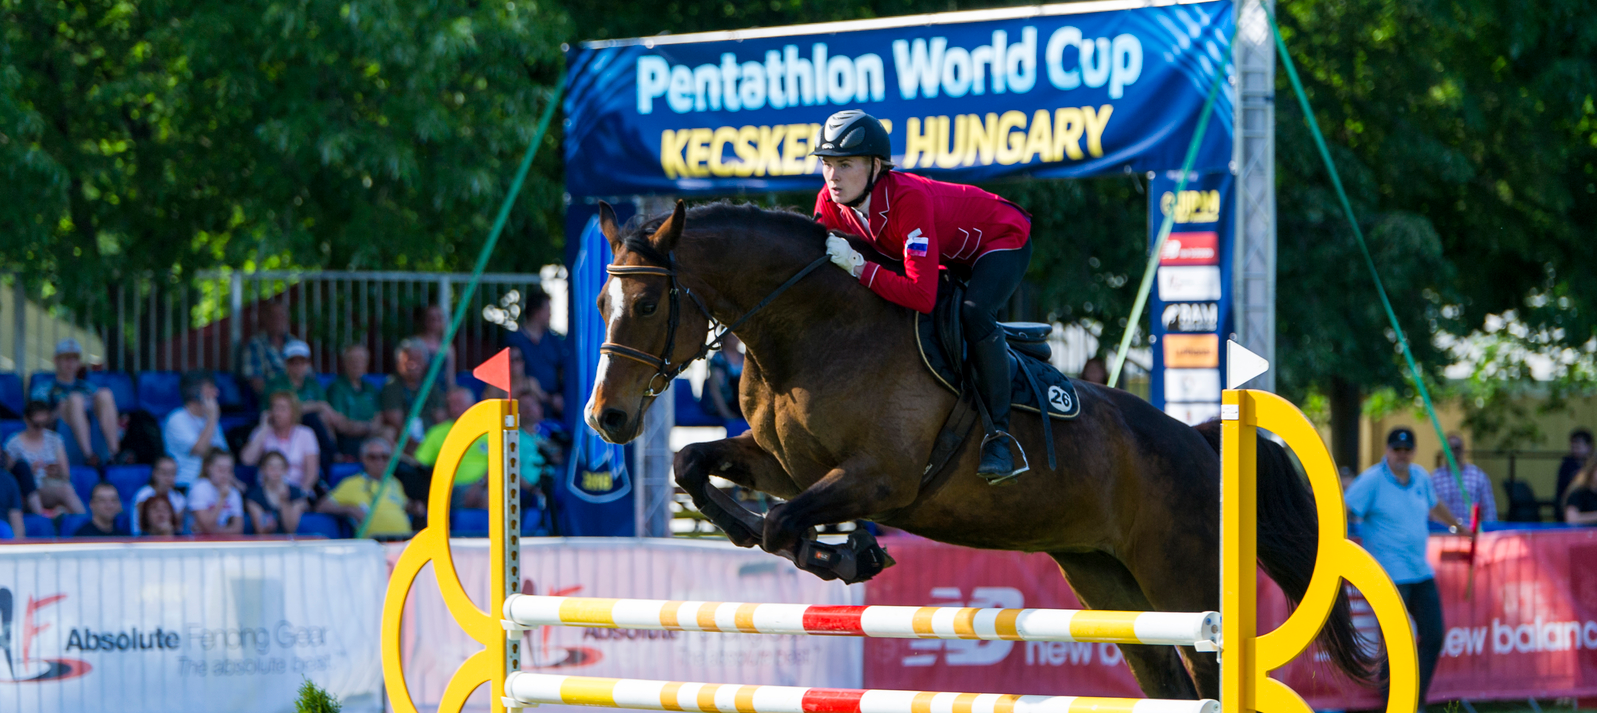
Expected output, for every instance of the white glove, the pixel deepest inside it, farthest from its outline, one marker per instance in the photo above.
(844, 255)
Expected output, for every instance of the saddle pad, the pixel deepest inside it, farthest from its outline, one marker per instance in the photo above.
(1056, 388)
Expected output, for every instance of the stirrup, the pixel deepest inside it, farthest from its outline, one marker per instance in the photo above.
(1025, 464)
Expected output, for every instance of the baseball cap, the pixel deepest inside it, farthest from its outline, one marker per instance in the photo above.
(68, 346)
(1400, 438)
(296, 348)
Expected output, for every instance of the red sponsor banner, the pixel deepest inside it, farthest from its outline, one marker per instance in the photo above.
(1528, 630)
(1201, 248)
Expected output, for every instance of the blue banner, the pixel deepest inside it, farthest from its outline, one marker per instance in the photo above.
(595, 496)
(1056, 91)
(1191, 304)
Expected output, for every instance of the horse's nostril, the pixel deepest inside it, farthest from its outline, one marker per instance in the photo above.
(613, 419)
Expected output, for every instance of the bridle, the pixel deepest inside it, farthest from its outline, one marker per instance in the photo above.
(662, 364)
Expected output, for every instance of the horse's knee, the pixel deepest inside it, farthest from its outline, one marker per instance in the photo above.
(690, 468)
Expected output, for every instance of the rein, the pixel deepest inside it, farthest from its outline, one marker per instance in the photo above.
(662, 364)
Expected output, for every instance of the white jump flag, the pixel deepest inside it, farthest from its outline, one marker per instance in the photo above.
(1241, 364)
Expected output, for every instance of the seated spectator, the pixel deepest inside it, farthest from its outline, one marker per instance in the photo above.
(400, 392)
(281, 431)
(354, 494)
(1476, 483)
(263, 355)
(543, 352)
(1580, 451)
(11, 502)
(1580, 502)
(274, 504)
(434, 323)
(192, 432)
(474, 463)
(354, 400)
(215, 500)
(315, 413)
(74, 399)
(720, 394)
(159, 518)
(163, 478)
(105, 503)
(1094, 372)
(45, 451)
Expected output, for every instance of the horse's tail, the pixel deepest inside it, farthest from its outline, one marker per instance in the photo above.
(1288, 537)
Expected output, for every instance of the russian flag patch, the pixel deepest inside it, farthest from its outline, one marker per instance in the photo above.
(917, 245)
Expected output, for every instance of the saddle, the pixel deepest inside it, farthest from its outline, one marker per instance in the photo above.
(1036, 386)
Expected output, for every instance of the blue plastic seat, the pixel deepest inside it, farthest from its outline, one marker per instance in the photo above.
(84, 479)
(232, 395)
(121, 386)
(11, 395)
(71, 523)
(123, 522)
(315, 523)
(127, 479)
(466, 380)
(159, 392)
(246, 474)
(37, 526)
(468, 522)
(688, 412)
(326, 380)
(5, 532)
(376, 380)
(41, 380)
(9, 427)
(340, 471)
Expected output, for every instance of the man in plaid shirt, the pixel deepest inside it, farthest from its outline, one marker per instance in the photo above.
(1475, 481)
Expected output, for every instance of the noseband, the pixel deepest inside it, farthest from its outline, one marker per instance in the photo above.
(662, 364)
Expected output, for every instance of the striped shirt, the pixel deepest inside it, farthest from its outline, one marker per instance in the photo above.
(1478, 485)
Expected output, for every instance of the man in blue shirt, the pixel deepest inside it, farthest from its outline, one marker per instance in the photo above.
(1394, 498)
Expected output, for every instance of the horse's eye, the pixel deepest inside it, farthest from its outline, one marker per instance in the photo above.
(647, 308)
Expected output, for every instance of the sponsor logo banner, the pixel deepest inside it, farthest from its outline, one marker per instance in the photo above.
(1191, 317)
(1191, 249)
(1186, 351)
(1189, 283)
(1192, 385)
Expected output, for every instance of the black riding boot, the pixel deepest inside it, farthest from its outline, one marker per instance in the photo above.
(990, 360)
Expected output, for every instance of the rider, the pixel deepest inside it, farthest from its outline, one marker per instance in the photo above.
(928, 223)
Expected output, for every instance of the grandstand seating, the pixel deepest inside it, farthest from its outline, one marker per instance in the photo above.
(315, 523)
(11, 394)
(121, 386)
(127, 479)
(9, 427)
(688, 412)
(468, 522)
(466, 380)
(326, 380)
(340, 471)
(159, 393)
(5, 531)
(232, 396)
(376, 380)
(37, 526)
(84, 479)
(40, 380)
(245, 474)
(71, 523)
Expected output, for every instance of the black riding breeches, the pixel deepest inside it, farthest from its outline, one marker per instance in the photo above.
(993, 280)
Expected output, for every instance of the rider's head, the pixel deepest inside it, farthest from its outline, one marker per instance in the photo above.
(854, 151)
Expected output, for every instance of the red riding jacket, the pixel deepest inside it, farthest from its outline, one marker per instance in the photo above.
(929, 223)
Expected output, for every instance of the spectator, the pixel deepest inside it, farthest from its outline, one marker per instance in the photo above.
(1476, 483)
(74, 399)
(315, 413)
(163, 479)
(192, 432)
(474, 463)
(45, 452)
(354, 400)
(214, 499)
(543, 352)
(354, 495)
(1580, 451)
(434, 324)
(11, 502)
(400, 391)
(1579, 505)
(1094, 372)
(274, 504)
(280, 431)
(1394, 498)
(263, 355)
(720, 393)
(159, 517)
(104, 505)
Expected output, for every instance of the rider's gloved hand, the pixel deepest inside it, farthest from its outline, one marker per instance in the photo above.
(844, 255)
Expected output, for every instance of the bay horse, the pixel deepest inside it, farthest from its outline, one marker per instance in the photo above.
(842, 417)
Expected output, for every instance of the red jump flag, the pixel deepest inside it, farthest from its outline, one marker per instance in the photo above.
(495, 371)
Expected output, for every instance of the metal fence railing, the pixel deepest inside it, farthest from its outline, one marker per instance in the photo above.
(173, 324)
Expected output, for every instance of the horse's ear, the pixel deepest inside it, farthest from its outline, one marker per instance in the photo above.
(607, 225)
(665, 239)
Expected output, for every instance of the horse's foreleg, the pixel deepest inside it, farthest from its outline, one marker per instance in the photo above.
(740, 461)
(853, 490)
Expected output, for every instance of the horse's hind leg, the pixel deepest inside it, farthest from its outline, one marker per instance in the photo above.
(1102, 582)
(741, 461)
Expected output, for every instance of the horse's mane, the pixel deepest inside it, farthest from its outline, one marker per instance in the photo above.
(783, 223)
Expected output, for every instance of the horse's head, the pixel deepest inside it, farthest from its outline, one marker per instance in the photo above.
(650, 330)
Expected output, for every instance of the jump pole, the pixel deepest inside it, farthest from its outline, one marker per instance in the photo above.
(1246, 658)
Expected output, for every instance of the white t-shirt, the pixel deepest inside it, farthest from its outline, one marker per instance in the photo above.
(175, 497)
(301, 442)
(182, 429)
(202, 495)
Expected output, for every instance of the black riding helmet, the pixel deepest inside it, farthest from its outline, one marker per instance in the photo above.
(852, 132)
